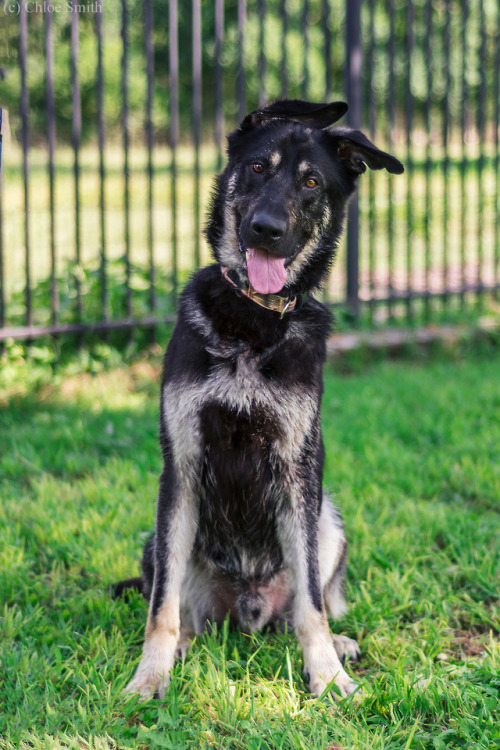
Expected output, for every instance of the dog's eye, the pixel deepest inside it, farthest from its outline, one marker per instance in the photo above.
(257, 167)
(312, 182)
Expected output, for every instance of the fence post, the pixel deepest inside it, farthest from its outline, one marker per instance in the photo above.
(353, 56)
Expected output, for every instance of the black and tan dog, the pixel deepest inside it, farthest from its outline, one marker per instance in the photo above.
(242, 526)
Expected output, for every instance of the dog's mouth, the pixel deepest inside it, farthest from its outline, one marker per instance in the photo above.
(266, 273)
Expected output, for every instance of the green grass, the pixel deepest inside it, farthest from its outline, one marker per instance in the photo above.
(413, 460)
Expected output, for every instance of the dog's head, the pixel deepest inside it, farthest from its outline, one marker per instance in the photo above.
(279, 205)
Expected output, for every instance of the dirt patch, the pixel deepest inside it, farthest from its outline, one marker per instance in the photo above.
(466, 644)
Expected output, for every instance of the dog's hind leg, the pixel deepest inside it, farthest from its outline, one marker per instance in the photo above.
(186, 634)
(174, 537)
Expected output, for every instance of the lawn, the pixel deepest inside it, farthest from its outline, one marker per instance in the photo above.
(413, 461)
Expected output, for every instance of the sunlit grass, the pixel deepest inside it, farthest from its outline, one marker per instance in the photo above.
(412, 461)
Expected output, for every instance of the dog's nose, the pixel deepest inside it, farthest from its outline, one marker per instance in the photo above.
(255, 613)
(267, 228)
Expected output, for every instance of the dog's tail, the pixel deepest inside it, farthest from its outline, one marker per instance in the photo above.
(144, 583)
(122, 588)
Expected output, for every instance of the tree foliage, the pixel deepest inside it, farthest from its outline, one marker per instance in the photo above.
(442, 69)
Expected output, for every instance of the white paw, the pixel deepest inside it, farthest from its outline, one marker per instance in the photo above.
(323, 668)
(185, 643)
(319, 682)
(151, 679)
(346, 648)
(346, 686)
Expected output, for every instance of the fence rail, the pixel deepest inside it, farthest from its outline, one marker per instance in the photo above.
(116, 115)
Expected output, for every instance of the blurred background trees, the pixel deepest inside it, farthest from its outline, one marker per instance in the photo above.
(310, 28)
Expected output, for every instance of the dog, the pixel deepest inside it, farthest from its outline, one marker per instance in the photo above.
(243, 528)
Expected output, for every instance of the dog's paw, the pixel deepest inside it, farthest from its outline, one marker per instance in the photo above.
(346, 648)
(185, 643)
(324, 669)
(345, 686)
(151, 679)
(147, 686)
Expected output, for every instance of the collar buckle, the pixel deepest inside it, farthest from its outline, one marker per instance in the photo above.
(287, 306)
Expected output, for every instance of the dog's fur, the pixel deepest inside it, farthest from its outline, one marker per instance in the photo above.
(242, 526)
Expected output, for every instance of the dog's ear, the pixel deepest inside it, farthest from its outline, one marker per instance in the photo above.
(357, 152)
(314, 115)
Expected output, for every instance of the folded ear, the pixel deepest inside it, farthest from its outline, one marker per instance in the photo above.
(356, 151)
(315, 115)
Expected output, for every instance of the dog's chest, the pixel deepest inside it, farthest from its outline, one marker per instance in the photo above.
(279, 410)
(239, 405)
(238, 488)
(237, 378)
(237, 435)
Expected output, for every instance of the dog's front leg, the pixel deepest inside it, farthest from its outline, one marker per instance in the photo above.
(174, 537)
(298, 532)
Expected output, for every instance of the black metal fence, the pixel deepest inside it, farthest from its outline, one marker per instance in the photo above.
(114, 121)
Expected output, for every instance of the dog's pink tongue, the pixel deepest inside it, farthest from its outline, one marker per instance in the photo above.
(266, 273)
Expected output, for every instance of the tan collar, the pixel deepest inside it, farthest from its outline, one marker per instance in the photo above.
(274, 302)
